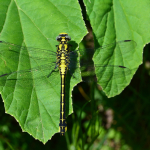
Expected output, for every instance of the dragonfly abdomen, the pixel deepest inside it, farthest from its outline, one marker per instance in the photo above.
(63, 71)
(62, 124)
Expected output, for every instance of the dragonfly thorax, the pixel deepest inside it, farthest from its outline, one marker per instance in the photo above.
(63, 53)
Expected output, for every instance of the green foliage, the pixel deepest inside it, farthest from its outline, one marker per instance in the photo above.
(36, 24)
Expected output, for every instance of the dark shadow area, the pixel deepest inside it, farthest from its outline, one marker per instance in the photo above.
(70, 73)
(131, 107)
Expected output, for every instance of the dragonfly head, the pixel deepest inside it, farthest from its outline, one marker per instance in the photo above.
(62, 37)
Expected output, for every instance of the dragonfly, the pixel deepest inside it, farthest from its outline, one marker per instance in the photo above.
(46, 62)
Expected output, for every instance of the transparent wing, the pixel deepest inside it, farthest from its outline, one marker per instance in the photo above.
(23, 64)
(13, 50)
(30, 77)
(116, 49)
(105, 72)
(124, 46)
(105, 55)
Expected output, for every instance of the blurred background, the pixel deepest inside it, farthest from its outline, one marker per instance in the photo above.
(98, 122)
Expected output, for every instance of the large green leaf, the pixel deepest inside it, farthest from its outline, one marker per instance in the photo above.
(118, 20)
(36, 24)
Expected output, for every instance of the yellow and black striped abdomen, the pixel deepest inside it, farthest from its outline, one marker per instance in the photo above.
(62, 123)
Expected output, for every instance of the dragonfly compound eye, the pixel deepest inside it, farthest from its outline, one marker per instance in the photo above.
(58, 38)
(68, 37)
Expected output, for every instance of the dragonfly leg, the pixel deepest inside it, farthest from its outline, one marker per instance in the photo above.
(52, 71)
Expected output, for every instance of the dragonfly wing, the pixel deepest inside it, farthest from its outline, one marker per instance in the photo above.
(105, 73)
(108, 73)
(110, 54)
(13, 51)
(109, 60)
(125, 47)
(31, 77)
(23, 65)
